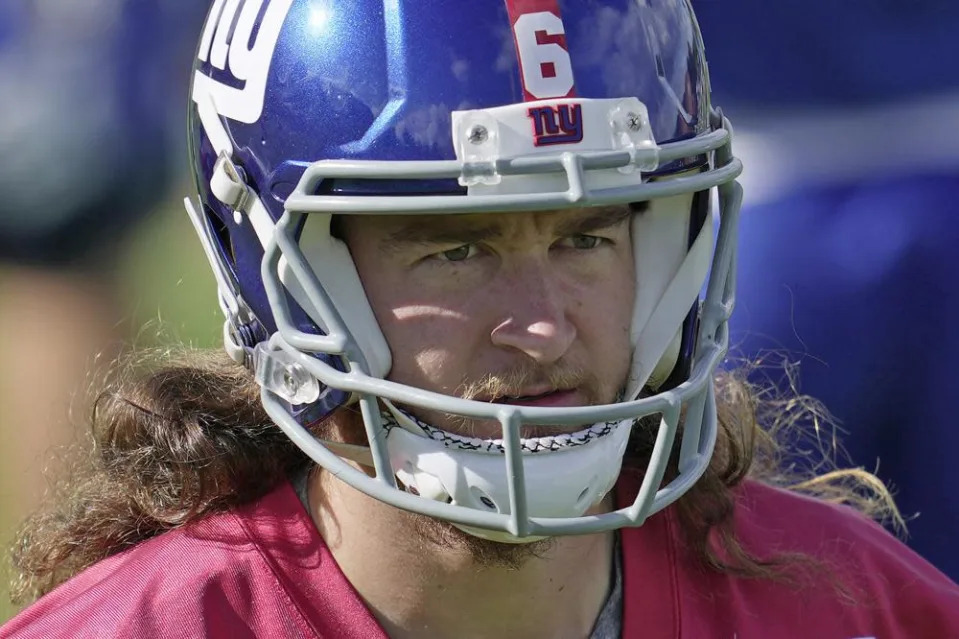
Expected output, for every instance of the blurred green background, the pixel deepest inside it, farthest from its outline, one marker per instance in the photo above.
(166, 295)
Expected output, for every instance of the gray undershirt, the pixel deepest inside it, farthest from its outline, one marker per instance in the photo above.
(609, 623)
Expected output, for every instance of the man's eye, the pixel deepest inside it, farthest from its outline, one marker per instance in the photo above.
(585, 241)
(460, 253)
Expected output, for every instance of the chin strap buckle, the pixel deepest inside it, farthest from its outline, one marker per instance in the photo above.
(228, 183)
(280, 373)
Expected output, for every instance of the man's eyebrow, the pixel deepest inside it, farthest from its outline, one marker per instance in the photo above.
(430, 232)
(600, 218)
(425, 232)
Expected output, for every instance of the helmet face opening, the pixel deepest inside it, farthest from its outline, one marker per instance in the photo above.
(283, 144)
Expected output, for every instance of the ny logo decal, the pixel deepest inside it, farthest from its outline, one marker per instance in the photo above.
(228, 44)
(560, 124)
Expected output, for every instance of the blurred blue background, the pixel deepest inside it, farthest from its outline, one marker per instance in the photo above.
(847, 119)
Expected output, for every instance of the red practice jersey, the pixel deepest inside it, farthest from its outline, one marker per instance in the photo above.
(264, 571)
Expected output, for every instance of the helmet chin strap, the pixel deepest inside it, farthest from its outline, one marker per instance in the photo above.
(437, 469)
(447, 470)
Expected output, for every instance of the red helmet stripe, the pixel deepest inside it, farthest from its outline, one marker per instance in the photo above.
(540, 37)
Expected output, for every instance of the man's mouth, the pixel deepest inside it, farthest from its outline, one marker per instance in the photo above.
(549, 398)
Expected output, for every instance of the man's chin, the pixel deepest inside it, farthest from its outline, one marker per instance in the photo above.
(483, 550)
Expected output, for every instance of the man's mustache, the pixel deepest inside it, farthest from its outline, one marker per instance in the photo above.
(518, 381)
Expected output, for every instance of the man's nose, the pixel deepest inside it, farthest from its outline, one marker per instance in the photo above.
(534, 311)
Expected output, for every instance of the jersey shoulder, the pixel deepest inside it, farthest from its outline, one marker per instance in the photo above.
(846, 565)
(770, 518)
(215, 577)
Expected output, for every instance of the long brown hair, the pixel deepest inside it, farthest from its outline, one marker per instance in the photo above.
(175, 437)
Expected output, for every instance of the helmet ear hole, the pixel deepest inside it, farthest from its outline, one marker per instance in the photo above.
(583, 496)
(483, 498)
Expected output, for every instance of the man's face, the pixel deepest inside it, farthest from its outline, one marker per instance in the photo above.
(520, 308)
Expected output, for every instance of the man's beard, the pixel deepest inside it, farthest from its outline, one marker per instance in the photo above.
(438, 534)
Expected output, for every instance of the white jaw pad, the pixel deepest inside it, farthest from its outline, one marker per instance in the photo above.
(563, 483)
(333, 265)
(670, 276)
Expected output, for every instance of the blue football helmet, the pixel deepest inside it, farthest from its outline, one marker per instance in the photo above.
(308, 109)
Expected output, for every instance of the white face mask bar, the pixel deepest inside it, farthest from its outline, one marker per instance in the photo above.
(290, 368)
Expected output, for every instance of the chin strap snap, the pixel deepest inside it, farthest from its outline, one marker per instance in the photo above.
(280, 373)
(228, 183)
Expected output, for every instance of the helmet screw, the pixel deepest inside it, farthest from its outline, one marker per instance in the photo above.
(478, 134)
(488, 502)
(290, 383)
(634, 121)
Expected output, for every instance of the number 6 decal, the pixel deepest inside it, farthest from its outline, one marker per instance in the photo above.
(543, 59)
